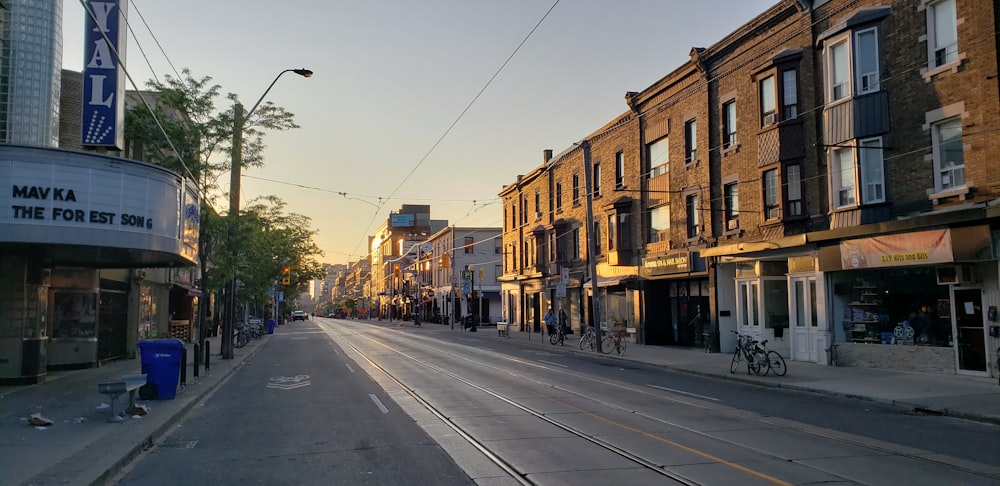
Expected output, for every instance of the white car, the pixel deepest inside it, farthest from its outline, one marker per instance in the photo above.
(299, 315)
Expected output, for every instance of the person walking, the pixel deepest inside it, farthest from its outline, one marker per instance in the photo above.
(550, 321)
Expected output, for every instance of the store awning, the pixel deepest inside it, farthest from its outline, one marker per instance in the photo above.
(191, 291)
(754, 246)
(610, 281)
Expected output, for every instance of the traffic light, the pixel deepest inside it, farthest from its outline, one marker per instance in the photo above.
(286, 276)
(395, 270)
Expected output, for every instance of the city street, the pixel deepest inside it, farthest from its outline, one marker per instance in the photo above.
(305, 411)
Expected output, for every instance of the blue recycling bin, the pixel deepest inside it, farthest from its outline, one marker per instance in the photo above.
(270, 326)
(161, 362)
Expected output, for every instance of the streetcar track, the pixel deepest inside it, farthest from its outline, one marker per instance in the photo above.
(808, 430)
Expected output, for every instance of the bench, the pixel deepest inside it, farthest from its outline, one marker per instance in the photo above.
(114, 389)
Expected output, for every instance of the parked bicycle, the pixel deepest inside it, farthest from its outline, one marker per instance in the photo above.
(613, 341)
(589, 339)
(775, 362)
(748, 351)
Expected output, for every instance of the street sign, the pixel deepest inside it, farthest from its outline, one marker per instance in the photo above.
(560, 291)
(466, 275)
(564, 276)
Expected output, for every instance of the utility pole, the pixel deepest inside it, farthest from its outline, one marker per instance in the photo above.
(234, 214)
(591, 262)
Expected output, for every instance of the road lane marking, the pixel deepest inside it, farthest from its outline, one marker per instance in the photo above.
(553, 364)
(288, 382)
(348, 365)
(683, 392)
(378, 403)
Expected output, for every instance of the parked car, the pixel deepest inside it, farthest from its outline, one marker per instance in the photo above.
(299, 315)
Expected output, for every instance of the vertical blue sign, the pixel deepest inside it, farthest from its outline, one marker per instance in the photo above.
(103, 77)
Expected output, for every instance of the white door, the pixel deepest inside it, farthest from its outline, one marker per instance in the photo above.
(748, 307)
(807, 337)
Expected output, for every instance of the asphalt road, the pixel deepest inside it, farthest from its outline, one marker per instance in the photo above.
(300, 413)
(341, 402)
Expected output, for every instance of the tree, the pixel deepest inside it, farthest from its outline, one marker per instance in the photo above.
(266, 238)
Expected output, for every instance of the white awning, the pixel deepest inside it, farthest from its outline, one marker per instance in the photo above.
(608, 281)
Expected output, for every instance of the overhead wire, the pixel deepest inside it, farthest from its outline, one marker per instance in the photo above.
(462, 114)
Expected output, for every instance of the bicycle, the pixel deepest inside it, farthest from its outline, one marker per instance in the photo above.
(241, 335)
(747, 350)
(559, 336)
(588, 339)
(775, 362)
(614, 341)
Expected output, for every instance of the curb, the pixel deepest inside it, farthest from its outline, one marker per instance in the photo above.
(119, 464)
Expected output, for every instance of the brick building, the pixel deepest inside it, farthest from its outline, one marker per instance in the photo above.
(825, 174)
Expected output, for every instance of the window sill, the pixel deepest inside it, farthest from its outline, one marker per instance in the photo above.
(691, 164)
(732, 149)
(959, 192)
(929, 73)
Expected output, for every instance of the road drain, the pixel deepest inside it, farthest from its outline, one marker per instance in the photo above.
(178, 444)
(925, 411)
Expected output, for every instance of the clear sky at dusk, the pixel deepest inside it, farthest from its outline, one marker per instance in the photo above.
(391, 77)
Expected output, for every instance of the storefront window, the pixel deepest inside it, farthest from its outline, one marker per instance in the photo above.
(74, 315)
(147, 314)
(904, 306)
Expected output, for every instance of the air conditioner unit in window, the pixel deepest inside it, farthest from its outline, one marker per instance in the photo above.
(955, 275)
(770, 119)
(732, 224)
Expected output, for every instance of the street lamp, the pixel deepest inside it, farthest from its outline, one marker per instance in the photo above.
(239, 120)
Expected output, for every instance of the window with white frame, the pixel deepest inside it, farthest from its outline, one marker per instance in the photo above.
(872, 170)
(729, 124)
(942, 33)
(597, 179)
(731, 201)
(843, 177)
(866, 47)
(619, 169)
(691, 207)
(690, 141)
(659, 224)
(772, 196)
(949, 157)
(852, 66)
(838, 69)
(659, 157)
(768, 101)
(793, 190)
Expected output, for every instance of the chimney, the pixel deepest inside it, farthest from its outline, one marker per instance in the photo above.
(546, 156)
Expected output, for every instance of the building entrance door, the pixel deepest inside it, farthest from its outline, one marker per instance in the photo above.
(747, 308)
(970, 329)
(808, 340)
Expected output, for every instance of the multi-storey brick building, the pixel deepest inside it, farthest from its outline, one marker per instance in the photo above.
(823, 175)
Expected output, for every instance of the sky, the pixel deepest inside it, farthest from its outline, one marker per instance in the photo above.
(437, 102)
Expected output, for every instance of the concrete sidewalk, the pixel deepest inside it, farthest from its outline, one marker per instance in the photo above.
(969, 397)
(81, 447)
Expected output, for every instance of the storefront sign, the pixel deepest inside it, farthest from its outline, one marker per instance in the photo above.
(673, 263)
(50, 196)
(401, 220)
(103, 77)
(920, 248)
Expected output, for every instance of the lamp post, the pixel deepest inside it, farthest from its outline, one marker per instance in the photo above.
(239, 120)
